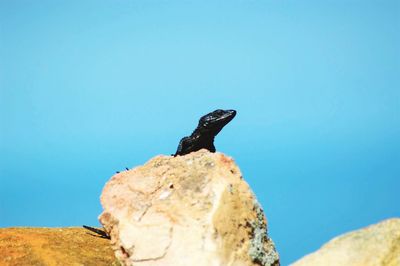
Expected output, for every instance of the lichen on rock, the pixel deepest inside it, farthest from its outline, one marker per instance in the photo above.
(186, 210)
(262, 249)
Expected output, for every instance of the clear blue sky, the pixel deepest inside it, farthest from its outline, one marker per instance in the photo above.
(89, 87)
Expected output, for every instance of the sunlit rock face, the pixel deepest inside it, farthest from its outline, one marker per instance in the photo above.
(375, 245)
(186, 210)
(23, 246)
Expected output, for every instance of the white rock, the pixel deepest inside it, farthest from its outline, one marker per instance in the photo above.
(186, 210)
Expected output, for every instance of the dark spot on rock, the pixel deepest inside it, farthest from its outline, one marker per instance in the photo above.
(209, 165)
(124, 252)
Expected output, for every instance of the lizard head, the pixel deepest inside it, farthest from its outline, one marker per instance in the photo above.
(213, 122)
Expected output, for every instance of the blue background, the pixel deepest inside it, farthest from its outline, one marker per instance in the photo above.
(90, 87)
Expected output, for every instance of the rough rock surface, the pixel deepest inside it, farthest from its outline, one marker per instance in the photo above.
(186, 210)
(378, 244)
(53, 246)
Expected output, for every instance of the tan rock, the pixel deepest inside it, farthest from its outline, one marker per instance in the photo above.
(375, 245)
(186, 210)
(53, 246)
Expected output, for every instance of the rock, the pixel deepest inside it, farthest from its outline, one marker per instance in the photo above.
(53, 246)
(378, 244)
(186, 210)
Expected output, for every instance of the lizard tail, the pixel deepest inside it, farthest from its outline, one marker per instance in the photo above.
(100, 232)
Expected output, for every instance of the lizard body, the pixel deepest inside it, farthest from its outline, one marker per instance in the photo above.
(203, 136)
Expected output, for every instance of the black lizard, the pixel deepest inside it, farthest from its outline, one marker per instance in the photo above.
(203, 136)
